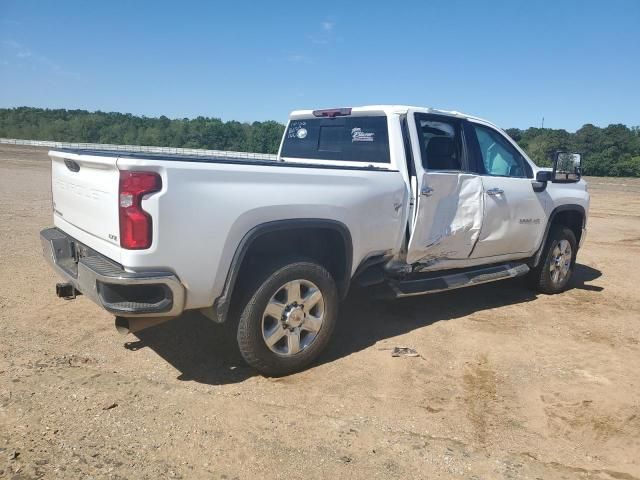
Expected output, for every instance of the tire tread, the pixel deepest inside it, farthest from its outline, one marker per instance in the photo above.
(256, 355)
(539, 277)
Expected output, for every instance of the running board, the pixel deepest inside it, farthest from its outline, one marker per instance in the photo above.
(406, 288)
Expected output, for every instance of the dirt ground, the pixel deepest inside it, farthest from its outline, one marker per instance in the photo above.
(509, 384)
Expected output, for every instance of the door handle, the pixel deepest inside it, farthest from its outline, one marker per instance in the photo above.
(495, 191)
(426, 191)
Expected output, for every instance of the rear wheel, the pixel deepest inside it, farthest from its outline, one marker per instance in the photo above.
(558, 261)
(288, 317)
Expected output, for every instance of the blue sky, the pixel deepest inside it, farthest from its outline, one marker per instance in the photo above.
(513, 62)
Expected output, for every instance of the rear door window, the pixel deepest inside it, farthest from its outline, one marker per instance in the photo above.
(353, 139)
(440, 142)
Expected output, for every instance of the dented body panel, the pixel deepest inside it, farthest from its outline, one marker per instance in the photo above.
(449, 219)
(514, 220)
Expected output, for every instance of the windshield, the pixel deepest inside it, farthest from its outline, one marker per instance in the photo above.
(353, 139)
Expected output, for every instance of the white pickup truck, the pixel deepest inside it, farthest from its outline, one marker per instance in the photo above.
(403, 200)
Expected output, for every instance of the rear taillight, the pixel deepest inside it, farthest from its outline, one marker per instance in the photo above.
(135, 223)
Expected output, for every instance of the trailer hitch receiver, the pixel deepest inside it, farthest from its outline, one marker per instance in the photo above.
(67, 291)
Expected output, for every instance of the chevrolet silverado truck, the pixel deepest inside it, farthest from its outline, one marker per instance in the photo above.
(401, 200)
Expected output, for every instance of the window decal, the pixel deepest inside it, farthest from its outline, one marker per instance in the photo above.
(297, 130)
(357, 135)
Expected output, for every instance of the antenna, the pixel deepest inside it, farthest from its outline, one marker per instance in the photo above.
(542, 125)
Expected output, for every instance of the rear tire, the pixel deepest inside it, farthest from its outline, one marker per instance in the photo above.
(287, 317)
(553, 274)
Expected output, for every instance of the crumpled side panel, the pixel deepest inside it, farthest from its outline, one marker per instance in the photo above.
(449, 221)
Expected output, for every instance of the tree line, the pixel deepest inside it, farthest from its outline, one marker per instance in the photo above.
(126, 129)
(608, 151)
(612, 151)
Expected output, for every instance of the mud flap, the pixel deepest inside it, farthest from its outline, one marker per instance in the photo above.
(449, 217)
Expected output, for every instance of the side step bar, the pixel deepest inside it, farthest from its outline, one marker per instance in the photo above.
(406, 288)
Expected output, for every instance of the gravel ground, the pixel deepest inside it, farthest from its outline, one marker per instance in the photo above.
(508, 384)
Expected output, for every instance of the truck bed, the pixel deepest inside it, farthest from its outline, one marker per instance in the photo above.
(221, 158)
(208, 203)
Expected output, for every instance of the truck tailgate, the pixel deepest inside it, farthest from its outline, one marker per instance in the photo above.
(85, 194)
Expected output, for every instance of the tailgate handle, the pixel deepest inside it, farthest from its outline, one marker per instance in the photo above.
(71, 165)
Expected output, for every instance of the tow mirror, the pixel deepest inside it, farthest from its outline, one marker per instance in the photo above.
(567, 167)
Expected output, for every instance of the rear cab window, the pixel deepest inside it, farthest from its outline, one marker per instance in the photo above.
(360, 139)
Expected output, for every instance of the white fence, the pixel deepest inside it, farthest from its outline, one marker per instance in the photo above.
(142, 149)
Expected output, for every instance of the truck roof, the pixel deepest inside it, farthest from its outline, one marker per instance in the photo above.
(391, 109)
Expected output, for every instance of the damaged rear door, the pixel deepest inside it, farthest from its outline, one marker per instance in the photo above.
(449, 213)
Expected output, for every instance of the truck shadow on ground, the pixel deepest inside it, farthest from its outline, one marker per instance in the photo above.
(204, 352)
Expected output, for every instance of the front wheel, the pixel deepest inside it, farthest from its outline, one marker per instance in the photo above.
(288, 317)
(558, 261)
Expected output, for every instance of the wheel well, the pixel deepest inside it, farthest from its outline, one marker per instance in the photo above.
(573, 219)
(326, 245)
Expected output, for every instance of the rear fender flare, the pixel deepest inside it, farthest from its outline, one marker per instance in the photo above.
(218, 312)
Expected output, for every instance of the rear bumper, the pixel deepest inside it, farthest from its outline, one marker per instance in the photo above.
(126, 294)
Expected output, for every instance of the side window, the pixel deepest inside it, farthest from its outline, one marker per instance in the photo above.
(499, 158)
(440, 142)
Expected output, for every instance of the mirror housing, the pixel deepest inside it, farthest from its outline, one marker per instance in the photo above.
(567, 167)
(544, 176)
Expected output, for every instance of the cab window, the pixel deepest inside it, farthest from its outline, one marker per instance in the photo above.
(499, 157)
(440, 142)
(354, 139)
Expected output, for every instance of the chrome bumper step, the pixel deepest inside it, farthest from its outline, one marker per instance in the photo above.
(128, 294)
